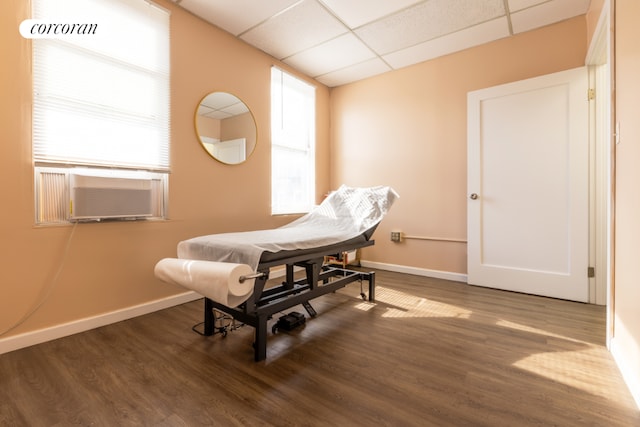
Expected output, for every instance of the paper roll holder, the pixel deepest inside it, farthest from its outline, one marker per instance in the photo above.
(242, 279)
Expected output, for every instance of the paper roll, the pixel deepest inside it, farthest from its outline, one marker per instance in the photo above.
(219, 281)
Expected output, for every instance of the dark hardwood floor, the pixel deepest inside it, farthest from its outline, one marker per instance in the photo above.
(427, 353)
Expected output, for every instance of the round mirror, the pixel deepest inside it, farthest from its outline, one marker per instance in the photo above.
(226, 128)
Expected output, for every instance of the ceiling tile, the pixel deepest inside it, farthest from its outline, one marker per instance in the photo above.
(330, 56)
(516, 5)
(482, 33)
(219, 100)
(214, 114)
(353, 73)
(427, 21)
(220, 13)
(337, 41)
(356, 13)
(237, 108)
(305, 25)
(220, 105)
(547, 13)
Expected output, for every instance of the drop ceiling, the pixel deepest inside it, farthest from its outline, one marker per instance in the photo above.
(221, 105)
(342, 41)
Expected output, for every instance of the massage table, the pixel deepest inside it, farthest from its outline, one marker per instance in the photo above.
(231, 270)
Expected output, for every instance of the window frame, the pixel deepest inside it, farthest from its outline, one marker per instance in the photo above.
(291, 144)
(55, 95)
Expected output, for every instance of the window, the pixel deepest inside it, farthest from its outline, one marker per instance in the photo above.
(100, 97)
(292, 144)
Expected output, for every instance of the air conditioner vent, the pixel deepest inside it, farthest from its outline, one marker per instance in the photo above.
(91, 203)
(105, 197)
(66, 194)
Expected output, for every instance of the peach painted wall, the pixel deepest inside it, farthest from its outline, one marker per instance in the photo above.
(67, 273)
(626, 340)
(593, 14)
(208, 127)
(238, 127)
(408, 129)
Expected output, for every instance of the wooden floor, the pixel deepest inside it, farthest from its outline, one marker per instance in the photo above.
(428, 352)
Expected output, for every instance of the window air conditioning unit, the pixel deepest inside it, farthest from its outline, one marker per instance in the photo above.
(96, 197)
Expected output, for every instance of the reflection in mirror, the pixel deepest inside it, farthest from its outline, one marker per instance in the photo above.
(226, 128)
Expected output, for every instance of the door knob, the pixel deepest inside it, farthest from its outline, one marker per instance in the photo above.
(473, 196)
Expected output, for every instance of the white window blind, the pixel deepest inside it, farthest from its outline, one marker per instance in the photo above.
(292, 144)
(102, 99)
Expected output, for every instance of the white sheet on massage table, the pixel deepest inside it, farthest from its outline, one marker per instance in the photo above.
(343, 215)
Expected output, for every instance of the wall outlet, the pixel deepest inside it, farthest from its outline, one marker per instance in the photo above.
(396, 236)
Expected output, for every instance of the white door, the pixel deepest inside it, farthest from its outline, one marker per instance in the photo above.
(528, 177)
(232, 151)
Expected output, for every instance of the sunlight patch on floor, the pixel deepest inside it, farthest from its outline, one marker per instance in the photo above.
(406, 305)
(574, 363)
(365, 305)
(573, 368)
(525, 328)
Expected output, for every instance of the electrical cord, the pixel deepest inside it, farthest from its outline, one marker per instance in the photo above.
(48, 291)
(197, 325)
(230, 326)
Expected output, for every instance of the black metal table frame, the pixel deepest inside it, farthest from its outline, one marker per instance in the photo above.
(319, 279)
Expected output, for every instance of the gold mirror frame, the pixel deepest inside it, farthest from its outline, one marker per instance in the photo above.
(225, 127)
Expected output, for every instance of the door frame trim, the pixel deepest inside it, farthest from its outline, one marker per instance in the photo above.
(599, 59)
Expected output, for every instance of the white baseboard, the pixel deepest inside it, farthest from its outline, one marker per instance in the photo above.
(59, 331)
(446, 275)
(40, 336)
(633, 383)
